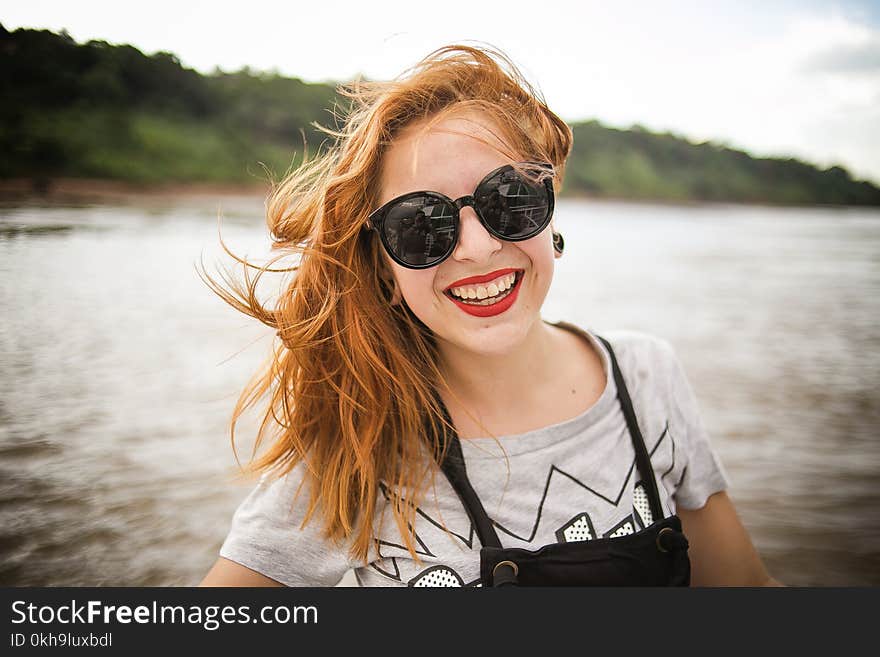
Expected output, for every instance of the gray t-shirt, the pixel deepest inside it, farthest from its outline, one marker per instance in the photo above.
(572, 481)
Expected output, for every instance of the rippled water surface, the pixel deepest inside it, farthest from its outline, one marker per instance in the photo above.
(119, 371)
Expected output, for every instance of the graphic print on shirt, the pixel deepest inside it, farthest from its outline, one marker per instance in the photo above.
(625, 527)
(579, 527)
(437, 576)
(642, 506)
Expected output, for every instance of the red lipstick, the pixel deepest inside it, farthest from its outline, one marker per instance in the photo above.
(492, 309)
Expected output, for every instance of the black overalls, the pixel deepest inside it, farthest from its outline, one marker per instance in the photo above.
(654, 556)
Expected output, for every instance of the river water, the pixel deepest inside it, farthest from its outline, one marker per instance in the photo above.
(119, 369)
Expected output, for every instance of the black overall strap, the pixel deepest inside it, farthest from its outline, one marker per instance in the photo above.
(642, 459)
(454, 468)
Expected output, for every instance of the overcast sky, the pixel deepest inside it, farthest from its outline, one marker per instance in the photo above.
(778, 77)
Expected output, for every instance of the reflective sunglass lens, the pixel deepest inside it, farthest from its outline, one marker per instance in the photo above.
(420, 230)
(513, 206)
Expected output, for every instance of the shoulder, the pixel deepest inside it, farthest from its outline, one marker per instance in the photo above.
(275, 496)
(647, 352)
(650, 367)
(271, 534)
(641, 356)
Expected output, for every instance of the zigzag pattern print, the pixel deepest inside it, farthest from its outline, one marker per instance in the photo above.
(579, 527)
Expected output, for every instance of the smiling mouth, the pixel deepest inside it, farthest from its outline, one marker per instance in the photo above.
(489, 300)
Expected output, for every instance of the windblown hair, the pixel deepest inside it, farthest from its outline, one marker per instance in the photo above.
(351, 384)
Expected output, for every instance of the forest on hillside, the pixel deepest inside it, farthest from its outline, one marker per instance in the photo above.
(103, 111)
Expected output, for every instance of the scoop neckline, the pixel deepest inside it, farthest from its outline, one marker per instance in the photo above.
(530, 441)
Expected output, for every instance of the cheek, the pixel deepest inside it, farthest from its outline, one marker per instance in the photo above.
(539, 250)
(416, 286)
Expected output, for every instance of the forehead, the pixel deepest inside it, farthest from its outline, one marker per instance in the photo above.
(450, 155)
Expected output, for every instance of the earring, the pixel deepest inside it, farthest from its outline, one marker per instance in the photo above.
(558, 242)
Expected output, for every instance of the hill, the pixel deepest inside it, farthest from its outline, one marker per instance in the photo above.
(103, 111)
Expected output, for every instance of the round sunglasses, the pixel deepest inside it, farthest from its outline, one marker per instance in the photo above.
(420, 229)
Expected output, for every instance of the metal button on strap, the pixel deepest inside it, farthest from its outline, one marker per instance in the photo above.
(505, 563)
(665, 530)
(505, 576)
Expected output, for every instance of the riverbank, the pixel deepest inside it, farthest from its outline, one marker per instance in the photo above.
(82, 190)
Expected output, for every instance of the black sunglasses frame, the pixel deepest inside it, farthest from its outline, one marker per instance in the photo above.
(377, 218)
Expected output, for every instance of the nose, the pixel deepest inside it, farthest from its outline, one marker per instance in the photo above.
(474, 241)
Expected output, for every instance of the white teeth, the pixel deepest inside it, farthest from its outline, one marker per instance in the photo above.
(483, 292)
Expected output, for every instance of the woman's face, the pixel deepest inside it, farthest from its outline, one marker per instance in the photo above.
(450, 160)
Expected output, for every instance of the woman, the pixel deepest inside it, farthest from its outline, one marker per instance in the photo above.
(427, 427)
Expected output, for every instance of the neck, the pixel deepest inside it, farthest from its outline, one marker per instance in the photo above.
(490, 381)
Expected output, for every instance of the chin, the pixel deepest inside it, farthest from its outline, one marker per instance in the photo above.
(488, 337)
